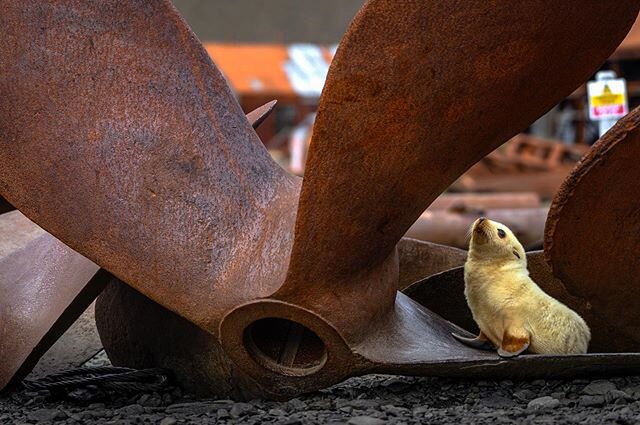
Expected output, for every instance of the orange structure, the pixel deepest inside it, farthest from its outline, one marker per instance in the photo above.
(259, 73)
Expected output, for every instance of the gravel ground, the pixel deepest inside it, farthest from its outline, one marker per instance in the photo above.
(370, 400)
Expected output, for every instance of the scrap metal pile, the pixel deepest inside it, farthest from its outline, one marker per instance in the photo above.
(526, 163)
(121, 139)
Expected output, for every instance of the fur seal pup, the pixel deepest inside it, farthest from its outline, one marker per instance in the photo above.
(511, 310)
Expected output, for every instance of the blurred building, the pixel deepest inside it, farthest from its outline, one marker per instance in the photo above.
(281, 49)
(276, 49)
(293, 74)
(272, 21)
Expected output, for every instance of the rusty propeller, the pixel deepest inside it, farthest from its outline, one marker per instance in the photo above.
(141, 160)
(141, 155)
(32, 263)
(423, 94)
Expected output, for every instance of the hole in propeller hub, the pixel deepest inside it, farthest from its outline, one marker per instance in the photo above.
(285, 347)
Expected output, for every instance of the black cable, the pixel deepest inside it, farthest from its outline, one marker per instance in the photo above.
(111, 378)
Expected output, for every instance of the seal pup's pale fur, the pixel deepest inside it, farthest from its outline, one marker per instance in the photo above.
(511, 310)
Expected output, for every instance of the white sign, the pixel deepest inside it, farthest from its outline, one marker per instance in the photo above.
(608, 99)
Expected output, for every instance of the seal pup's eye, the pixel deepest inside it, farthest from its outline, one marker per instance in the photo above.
(502, 234)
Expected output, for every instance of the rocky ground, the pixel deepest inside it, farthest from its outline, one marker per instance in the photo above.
(370, 400)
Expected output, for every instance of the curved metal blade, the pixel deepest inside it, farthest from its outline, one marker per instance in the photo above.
(44, 287)
(257, 116)
(415, 341)
(593, 232)
(119, 136)
(418, 260)
(417, 93)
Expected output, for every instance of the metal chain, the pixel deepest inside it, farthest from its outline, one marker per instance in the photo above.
(111, 378)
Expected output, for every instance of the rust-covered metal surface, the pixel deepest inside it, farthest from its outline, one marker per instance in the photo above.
(124, 317)
(407, 151)
(141, 155)
(153, 171)
(126, 320)
(382, 150)
(429, 104)
(419, 259)
(592, 237)
(201, 365)
(44, 287)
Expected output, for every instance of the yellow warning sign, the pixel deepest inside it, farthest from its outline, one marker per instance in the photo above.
(608, 99)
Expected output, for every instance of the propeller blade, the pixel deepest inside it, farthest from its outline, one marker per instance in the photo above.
(593, 233)
(257, 116)
(120, 137)
(417, 93)
(44, 288)
(419, 260)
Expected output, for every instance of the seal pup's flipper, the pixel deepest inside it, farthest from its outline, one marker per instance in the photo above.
(481, 342)
(514, 342)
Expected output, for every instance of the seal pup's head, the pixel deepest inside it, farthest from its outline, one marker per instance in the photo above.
(495, 241)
